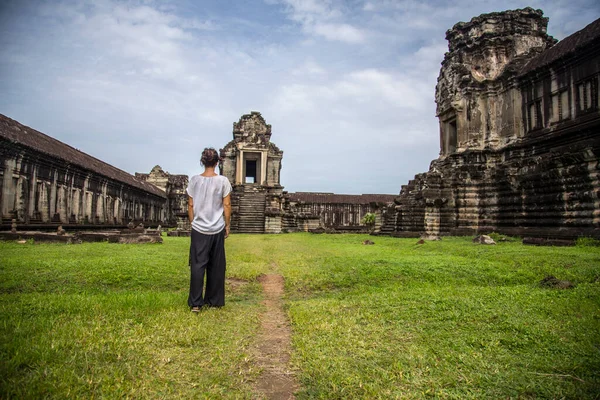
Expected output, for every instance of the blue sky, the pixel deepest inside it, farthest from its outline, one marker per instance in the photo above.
(348, 86)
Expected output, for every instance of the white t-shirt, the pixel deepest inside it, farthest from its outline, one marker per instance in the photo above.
(208, 193)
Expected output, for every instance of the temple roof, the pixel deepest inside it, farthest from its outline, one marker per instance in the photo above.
(15, 132)
(570, 44)
(252, 128)
(332, 198)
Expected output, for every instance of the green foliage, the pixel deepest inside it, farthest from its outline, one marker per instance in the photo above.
(587, 242)
(446, 319)
(498, 237)
(368, 219)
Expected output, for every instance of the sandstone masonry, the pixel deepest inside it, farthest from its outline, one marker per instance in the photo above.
(46, 182)
(174, 187)
(519, 134)
(252, 163)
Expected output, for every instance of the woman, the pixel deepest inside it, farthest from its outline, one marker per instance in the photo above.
(209, 211)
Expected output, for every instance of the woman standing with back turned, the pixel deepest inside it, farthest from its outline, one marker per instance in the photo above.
(209, 211)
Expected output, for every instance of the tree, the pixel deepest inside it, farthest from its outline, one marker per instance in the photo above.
(368, 220)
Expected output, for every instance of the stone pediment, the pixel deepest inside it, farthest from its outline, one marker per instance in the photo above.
(157, 171)
(252, 128)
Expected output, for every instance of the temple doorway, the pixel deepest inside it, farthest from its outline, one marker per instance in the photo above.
(252, 168)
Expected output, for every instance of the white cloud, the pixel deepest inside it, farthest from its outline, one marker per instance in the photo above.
(310, 10)
(339, 32)
(369, 6)
(138, 84)
(324, 18)
(309, 69)
(387, 108)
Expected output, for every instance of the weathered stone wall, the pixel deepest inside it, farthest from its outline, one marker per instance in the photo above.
(477, 105)
(540, 188)
(526, 160)
(46, 182)
(228, 163)
(274, 168)
(174, 187)
(257, 201)
(336, 212)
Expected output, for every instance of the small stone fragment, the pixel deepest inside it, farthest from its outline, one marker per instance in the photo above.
(483, 239)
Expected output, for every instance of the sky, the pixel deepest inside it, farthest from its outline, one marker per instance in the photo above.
(347, 85)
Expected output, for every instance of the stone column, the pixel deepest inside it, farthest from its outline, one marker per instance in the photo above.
(53, 193)
(116, 210)
(239, 168)
(109, 210)
(62, 205)
(76, 204)
(105, 205)
(263, 168)
(32, 190)
(20, 199)
(88, 207)
(44, 207)
(8, 191)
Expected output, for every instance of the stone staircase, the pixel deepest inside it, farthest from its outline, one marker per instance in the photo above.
(388, 225)
(251, 215)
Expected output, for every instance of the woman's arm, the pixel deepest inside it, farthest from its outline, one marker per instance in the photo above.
(227, 213)
(190, 209)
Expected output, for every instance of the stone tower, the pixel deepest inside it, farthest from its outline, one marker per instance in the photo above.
(519, 145)
(174, 187)
(475, 106)
(252, 163)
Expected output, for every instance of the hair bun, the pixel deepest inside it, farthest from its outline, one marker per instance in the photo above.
(210, 157)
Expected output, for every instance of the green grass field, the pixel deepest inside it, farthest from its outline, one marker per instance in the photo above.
(447, 319)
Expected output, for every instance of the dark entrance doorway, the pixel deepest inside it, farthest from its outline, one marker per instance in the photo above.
(250, 172)
(452, 139)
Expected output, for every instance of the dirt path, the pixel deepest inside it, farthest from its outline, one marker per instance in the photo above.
(273, 348)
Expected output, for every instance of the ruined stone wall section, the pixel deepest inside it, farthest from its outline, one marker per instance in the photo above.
(257, 204)
(251, 138)
(227, 165)
(37, 189)
(274, 211)
(554, 188)
(308, 224)
(477, 104)
(274, 169)
(526, 152)
(174, 187)
(335, 216)
(541, 190)
(332, 215)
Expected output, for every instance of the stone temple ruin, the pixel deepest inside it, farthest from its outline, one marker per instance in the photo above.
(519, 134)
(174, 187)
(46, 183)
(49, 185)
(519, 154)
(252, 163)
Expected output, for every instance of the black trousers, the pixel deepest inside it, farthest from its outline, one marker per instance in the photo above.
(207, 255)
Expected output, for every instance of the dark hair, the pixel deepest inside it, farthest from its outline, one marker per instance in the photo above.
(210, 157)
